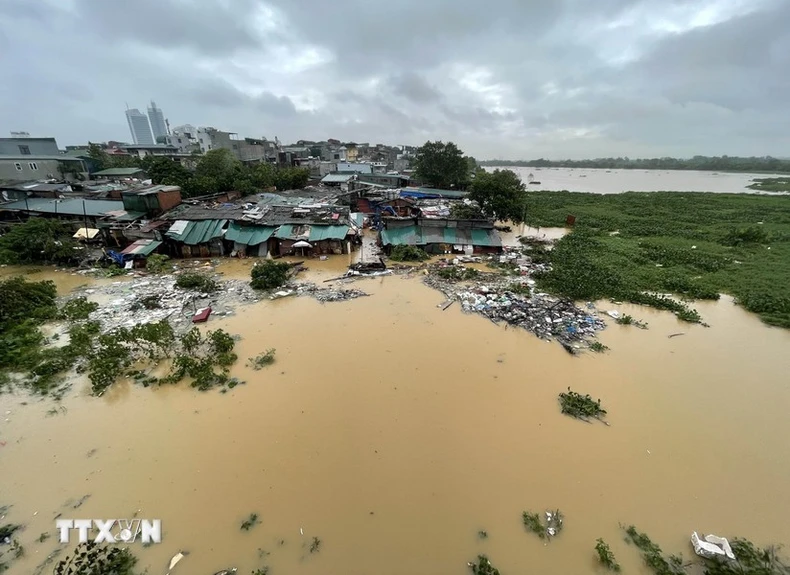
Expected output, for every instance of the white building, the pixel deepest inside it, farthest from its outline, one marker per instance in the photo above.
(139, 127)
(157, 118)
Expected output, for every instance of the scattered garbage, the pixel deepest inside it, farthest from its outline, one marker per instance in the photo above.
(512, 298)
(327, 294)
(129, 303)
(175, 560)
(711, 546)
(545, 530)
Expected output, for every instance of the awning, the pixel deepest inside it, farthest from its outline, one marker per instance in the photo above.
(198, 232)
(318, 233)
(86, 233)
(248, 235)
(141, 248)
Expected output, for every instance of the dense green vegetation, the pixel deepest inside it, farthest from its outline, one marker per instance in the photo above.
(606, 556)
(404, 253)
(92, 559)
(500, 194)
(635, 245)
(443, 165)
(711, 163)
(771, 184)
(269, 274)
(196, 281)
(39, 241)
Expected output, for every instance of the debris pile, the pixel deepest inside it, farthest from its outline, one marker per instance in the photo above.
(511, 298)
(327, 294)
(154, 298)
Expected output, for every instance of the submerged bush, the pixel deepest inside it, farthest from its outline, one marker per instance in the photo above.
(78, 308)
(605, 555)
(197, 282)
(269, 274)
(262, 360)
(580, 406)
(405, 253)
(156, 263)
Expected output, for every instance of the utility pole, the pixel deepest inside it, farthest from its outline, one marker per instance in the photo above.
(85, 214)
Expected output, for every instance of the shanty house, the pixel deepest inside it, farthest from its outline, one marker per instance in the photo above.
(250, 240)
(152, 200)
(438, 236)
(201, 238)
(312, 239)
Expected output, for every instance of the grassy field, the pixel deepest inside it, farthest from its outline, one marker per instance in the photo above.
(694, 245)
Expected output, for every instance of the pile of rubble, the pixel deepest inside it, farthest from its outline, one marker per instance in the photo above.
(153, 298)
(512, 299)
(321, 294)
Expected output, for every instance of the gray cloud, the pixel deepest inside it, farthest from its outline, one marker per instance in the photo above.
(503, 78)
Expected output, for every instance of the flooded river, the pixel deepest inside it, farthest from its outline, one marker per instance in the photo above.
(395, 431)
(615, 181)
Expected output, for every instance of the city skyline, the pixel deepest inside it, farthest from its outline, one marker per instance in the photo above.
(157, 120)
(139, 127)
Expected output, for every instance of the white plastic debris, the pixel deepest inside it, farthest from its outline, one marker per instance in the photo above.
(174, 561)
(721, 542)
(613, 313)
(712, 546)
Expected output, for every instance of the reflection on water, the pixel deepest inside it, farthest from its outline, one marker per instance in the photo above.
(394, 431)
(616, 181)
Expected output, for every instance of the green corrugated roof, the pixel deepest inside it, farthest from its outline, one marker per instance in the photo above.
(248, 235)
(199, 232)
(284, 232)
(485, 238)
(318, 233)
(118, 172)
(409, 236)
(72, 207)
(420, 236)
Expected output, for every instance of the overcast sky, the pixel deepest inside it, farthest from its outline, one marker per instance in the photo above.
(502, 78)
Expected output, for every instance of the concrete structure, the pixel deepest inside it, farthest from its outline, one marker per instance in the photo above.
(152, 150)
(158, 126)
(28, 147)
(25, 168)
(139, 127)
(351, 167)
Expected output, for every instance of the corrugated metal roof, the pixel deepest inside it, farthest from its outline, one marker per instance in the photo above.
(318, 233)
(248, 235)
(284, 232)
(409, 236)
(118, 172)
(141, 248)
(337, 178)
(199, 232)
(485, 238)
(72, 207)
(423, 235)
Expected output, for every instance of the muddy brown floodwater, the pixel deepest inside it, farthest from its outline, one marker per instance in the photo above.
(394, 431)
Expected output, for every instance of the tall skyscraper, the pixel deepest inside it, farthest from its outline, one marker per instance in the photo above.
(138, 125)
(157, 121)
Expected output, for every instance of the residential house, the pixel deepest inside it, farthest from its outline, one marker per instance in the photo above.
(389, 180)
(77, 210)
(38, 167)
(337, 180)
(354, 168)
(27, 146)
(143, 150)
(120, 174)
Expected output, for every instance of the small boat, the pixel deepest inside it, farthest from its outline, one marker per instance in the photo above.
(534, 183)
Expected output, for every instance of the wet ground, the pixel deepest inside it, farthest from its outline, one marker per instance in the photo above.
(394, 431)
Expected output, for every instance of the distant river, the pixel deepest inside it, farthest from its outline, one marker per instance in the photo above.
(616, 181)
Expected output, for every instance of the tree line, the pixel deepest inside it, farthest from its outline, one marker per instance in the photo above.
(704, 163)
(215, 171)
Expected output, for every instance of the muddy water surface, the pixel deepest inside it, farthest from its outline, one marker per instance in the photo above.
(394, 431)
